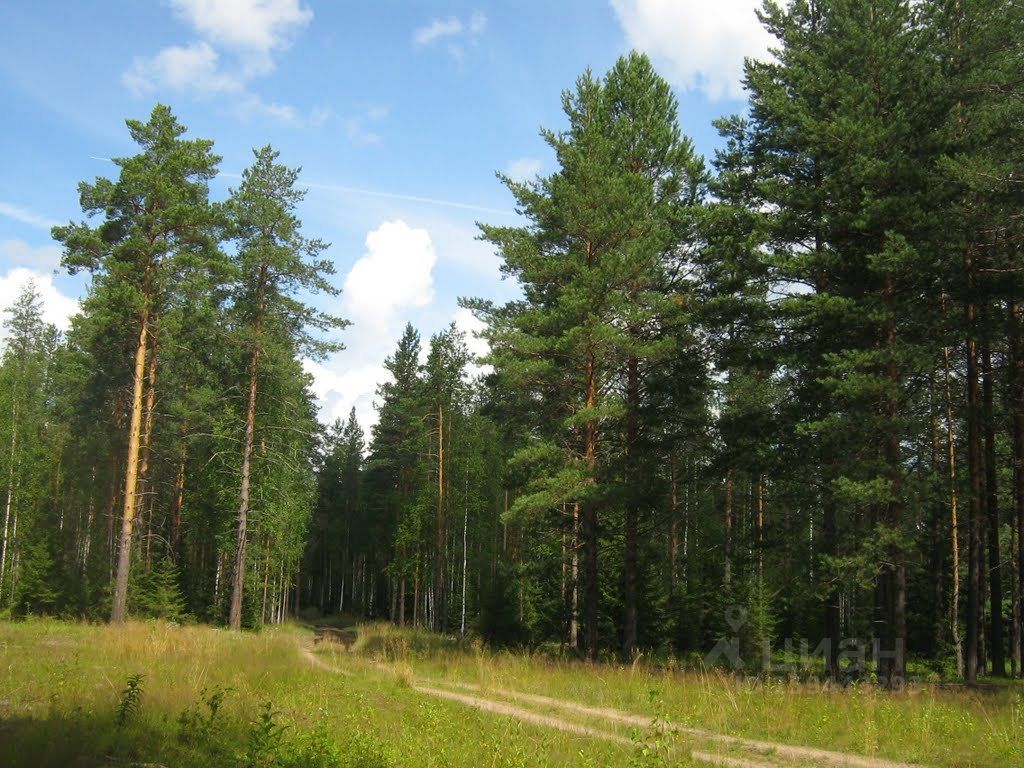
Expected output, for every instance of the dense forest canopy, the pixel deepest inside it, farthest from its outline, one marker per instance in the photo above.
(773, 394)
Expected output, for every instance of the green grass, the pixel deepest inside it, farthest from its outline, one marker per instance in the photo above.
(926, 724)
(209, 697)
(61, 686)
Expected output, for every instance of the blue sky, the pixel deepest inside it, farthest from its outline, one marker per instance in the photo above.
(398, 111)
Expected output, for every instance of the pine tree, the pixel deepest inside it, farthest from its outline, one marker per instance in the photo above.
(594, 266)
(275, 261)
(157, 222)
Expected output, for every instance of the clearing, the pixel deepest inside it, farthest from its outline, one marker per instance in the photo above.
(388, 697)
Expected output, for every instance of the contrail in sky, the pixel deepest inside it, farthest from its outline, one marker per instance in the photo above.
(379, 193)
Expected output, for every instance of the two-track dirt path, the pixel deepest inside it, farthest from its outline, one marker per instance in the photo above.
(510, 703)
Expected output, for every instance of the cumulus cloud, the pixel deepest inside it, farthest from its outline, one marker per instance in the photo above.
(700, 45)
(524, 168)
(454, 31)
(250, 31)
(256, 28)
(26, 216)
(57, 308)
(394, 276)
(472, 326)
(395, 273)
(352, 386)
(20, 254)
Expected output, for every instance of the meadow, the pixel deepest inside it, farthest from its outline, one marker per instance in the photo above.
(160, 694)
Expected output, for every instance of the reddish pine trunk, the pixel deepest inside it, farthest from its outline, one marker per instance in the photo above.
(238, 577)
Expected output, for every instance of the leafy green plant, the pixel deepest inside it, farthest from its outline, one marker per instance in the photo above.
(196, 727)
(131, 698)
(266, 739)
(653, 745)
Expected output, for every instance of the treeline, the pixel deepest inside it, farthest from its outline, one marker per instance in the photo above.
(160, 459)
(780, 396)
(777, 396)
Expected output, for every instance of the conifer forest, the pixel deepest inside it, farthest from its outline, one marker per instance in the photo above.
(773, 395)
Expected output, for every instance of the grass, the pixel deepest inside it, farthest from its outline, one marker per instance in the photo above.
(159, 694)
(926, 724)
(62, 687)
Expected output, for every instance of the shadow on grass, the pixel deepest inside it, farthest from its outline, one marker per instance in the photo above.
(81, 739)
(86, 740)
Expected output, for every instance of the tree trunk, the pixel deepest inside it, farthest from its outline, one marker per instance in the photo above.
(629, 630)
(832, 617)
(439, 611)
(894, 577)
(238, 578)
(937, 545)
(673, 534)
(145, 486)
(465, 557)
(995, 580)
(974, 471)
(591, 595)
(10, 488)
(119, 605)
(954, 604)
(1016, 373)
(179, 500)
(574, 575)
(760, 530)
(727, 577)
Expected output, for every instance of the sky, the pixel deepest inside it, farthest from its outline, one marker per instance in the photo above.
(398, 111)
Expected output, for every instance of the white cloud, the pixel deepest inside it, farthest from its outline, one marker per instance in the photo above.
(524, 168)
(57, 308)
(454, 30)
(438, 28)
(391, 284)
(352, 387)
(25, 216)
(701, 44)
(255, 28)
(251, 31)
(477, 23)
(251, 105)
(18, 253)
(358, 127)
(394, 274)
(193, 68)
(472, 326)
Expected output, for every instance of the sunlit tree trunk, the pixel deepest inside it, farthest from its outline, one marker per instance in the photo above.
(119, 606)
(9, 497)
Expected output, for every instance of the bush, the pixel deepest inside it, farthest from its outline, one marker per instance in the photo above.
(499, 615)
(155, 593)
